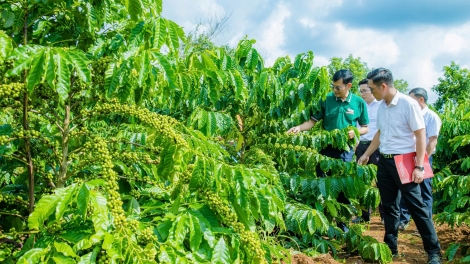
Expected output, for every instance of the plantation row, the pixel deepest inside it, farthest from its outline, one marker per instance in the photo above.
(121, 141)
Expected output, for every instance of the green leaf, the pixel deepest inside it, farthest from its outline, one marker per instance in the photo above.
(221, 253)
(50, 69)
(37, 69)
(33, 256)
(80, 64)
(142, 65)
(134, 8)
(8, 18)
(62, 75)
(133, 207)
(169, 72)
(44, 208)
(83, 198)
(195, 234)
(86, 259)
(6, 45)
(111, 81)
(61, 259)
(108, 241)
(64, 249)
(100, 211)
(65, 201)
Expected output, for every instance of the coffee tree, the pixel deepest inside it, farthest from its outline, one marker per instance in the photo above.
(118, 144)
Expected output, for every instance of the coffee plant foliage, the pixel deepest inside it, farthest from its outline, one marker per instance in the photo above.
(121, 143)
(452, 164)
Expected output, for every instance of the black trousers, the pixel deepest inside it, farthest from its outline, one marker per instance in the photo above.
(373, 159)
(390, 188)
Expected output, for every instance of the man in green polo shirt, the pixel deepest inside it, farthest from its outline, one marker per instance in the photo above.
(340, 109)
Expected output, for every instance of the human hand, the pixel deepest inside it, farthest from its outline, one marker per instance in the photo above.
(351, 134)
(294, 130)
(417, 176)
(363, 160)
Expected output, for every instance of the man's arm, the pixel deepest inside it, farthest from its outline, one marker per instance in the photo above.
(374, 145)
(303, 127)
(431, 145)
(363, 130)
(420, 136)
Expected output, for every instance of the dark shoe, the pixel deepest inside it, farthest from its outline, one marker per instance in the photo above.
(434, 259)
(403, 226)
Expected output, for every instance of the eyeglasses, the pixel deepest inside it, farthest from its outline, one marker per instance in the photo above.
(336, 88)
(365, 91)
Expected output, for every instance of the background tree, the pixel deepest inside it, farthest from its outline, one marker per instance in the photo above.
(453, 87)
(355, 65)
(401, 85)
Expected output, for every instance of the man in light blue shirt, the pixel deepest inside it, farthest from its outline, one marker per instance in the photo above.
(366, 139)
(433, 125)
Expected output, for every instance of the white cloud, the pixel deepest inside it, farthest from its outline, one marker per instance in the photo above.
(414, 53)
(272, 36)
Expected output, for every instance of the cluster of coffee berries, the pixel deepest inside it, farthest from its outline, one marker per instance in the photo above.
(135, 194)
(99, 69)
(164, 125)
(146, 236)
(220, 207)
(55, 228)
(12, 90)
(103, 258)
(99, 153)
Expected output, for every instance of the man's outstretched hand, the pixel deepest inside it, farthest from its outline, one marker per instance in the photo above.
(294, 130)
(351, 134)
(363, 160)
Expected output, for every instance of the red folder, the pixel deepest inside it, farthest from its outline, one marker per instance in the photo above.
(406, 164)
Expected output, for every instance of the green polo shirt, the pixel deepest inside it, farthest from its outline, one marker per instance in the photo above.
(337, 114)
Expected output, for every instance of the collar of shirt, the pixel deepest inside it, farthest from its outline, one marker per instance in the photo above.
(348, 98)
(395, 98)
(374, 102)
(425, 110)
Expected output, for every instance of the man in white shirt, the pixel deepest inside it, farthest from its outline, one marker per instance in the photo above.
(400, 131)
(366, 139)
(433, 125)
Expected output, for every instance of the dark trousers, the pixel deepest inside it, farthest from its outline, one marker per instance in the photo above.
(390, 188)
(373, 159)
(426, 194)
(346, 156)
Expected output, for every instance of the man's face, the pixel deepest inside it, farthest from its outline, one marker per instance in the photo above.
(377, 91)
(340, 89)
(366, 94)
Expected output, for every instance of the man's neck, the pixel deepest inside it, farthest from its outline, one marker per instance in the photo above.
(345, 97)
(391, 95)
(370, 101)
(423, 106)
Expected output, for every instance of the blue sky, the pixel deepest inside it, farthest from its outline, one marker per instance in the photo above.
(415, 39)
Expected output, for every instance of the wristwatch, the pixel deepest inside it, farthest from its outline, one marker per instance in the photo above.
(419, 168)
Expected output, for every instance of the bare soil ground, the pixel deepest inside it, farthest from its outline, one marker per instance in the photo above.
(409, 245)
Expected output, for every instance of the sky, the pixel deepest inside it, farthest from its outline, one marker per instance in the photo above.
(415, 39)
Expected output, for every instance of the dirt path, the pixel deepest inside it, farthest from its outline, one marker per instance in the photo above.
(409, 245)
(412, 246)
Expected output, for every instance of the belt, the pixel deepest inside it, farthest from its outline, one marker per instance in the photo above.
(388, 156)
(365, 142)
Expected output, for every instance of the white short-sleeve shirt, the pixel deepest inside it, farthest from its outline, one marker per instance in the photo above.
(432, 122)
(372, 109)
(397, 122)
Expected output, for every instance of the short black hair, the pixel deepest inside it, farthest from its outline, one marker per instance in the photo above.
(420, 93)
(346, 75)
(381, 75)
(364, 81)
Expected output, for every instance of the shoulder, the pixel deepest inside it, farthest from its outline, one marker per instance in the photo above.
(408, 101)
(357, 99)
